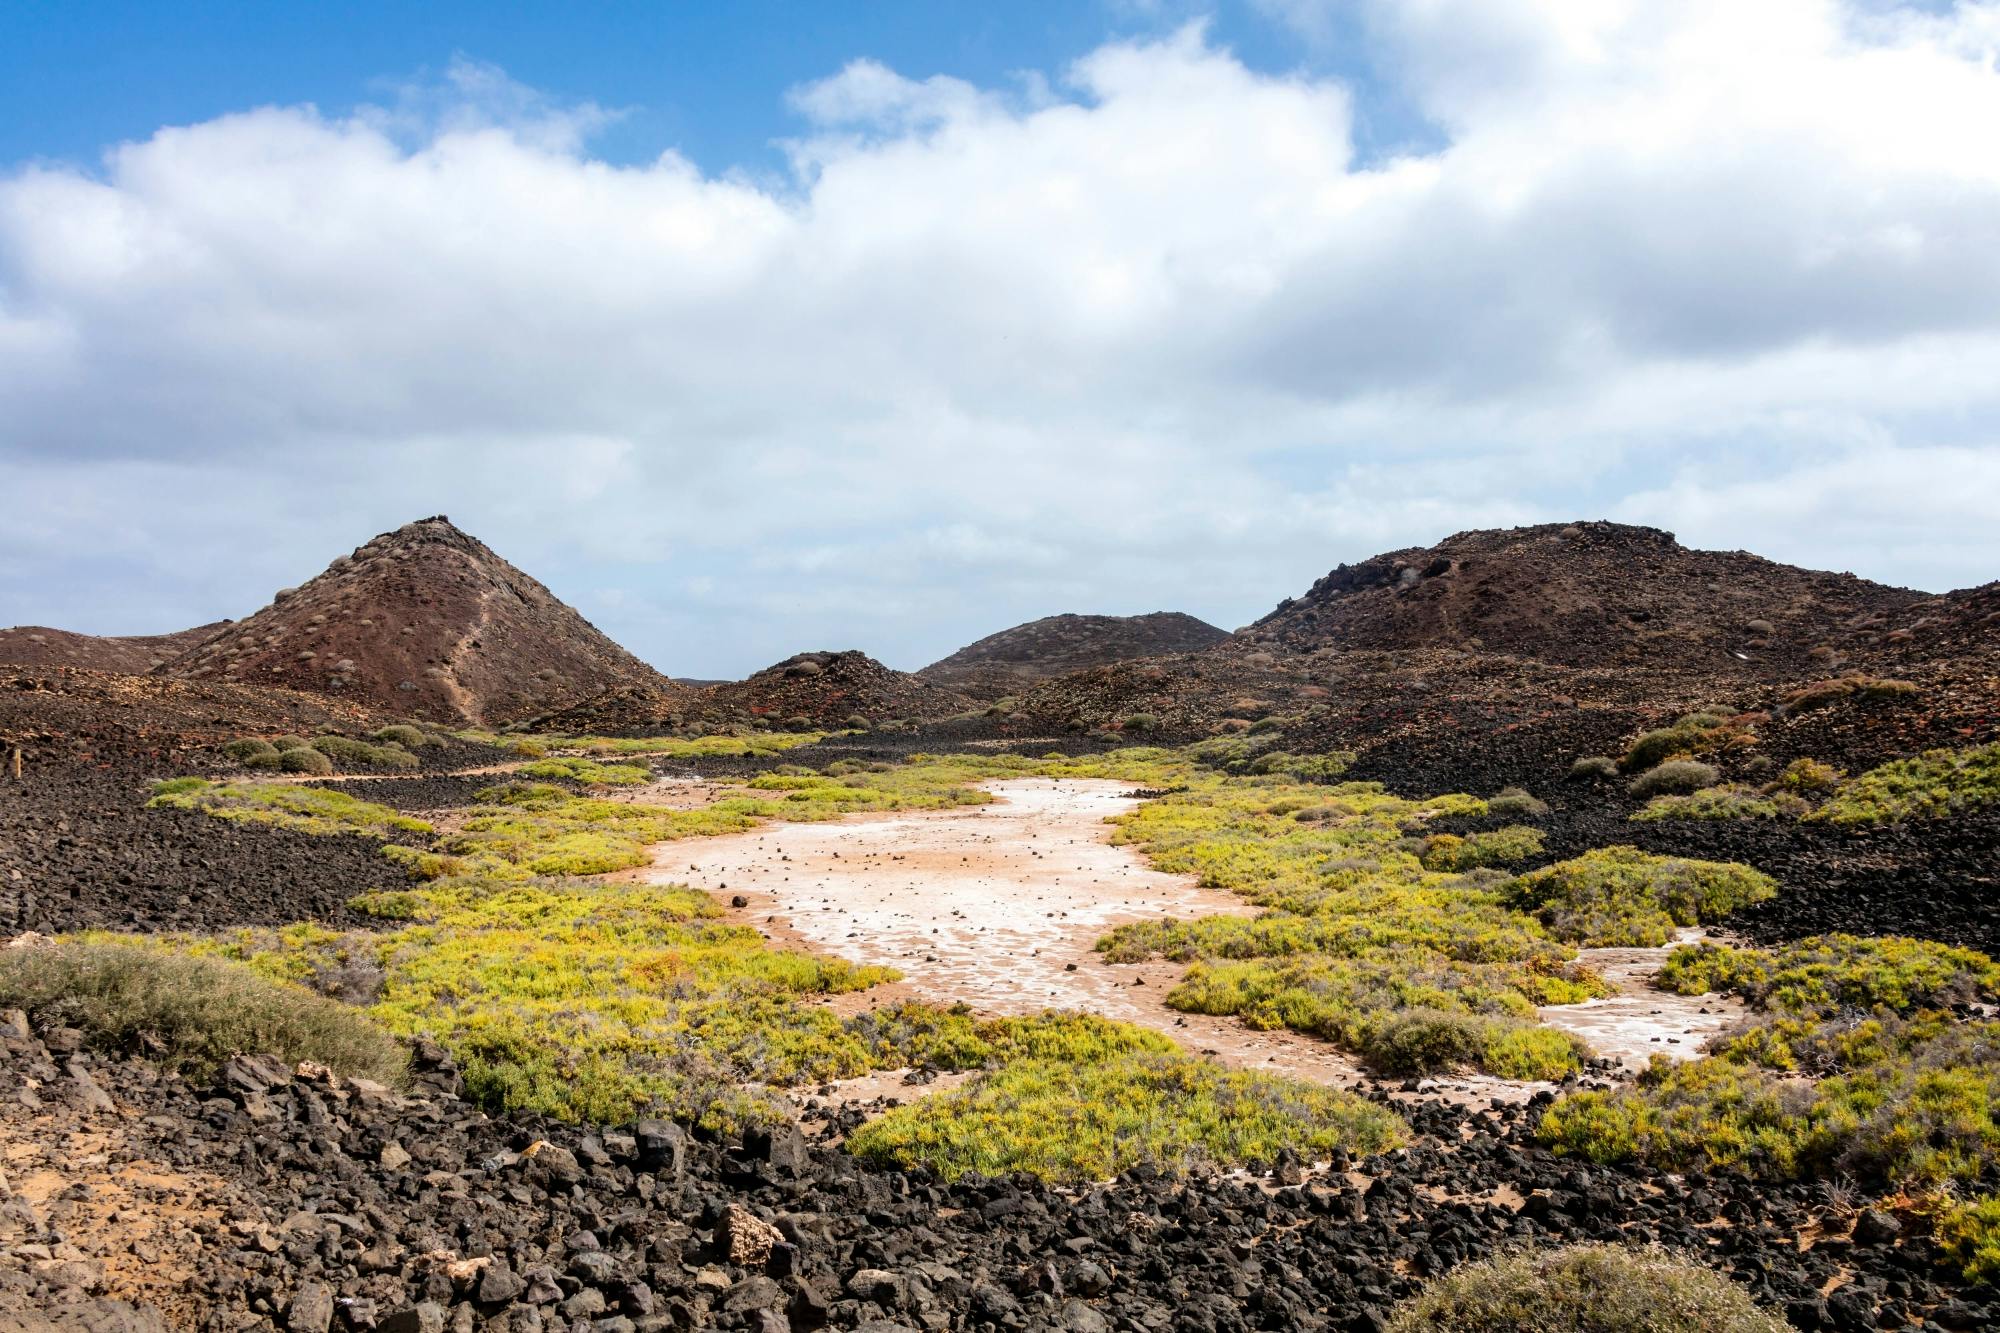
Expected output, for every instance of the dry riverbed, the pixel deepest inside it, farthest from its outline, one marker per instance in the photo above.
(1000, 905)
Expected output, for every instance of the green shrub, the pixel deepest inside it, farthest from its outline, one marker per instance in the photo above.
(1969, 1235)
(1496, 847)
(304, 760)
(588, 770)
(1584, 1289)
(248, 748)
(1930, 786)
(1139, 722)
(1594, 766)
(1083, 1123)
(1664, 743)
(403, 734)
(1428, 1041)
(1674, 777)
(523, 748)
(286, 804)
(283, 743)
(350, 753)
(1808, 775)
(1623, 896)
(1723, 803)
(1515, 803)
(194, 1012)
(1824, 974)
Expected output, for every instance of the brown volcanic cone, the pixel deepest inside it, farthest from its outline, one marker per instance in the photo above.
(826, 689)
(423, 621)
(130, 654)
(1057, 645)
(1580, 594)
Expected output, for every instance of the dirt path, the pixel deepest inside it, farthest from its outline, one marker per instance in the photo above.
(1640, 1022)
(1000, 905)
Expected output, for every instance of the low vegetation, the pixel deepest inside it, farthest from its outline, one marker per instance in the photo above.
(586, 770)
(1079, 1123)
(1612, 1288)
(1674, 777)
(1724, 802)
(1695, 736)
(191, 1013)
(287, 805)
(1621, 896)
(1861, 1066)
(1932, 785)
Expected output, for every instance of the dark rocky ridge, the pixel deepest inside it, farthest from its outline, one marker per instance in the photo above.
(1582, 594)
(428, 622)
(826, 689)
(40, 646)
(1003, 663)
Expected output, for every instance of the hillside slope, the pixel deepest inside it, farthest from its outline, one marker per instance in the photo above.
(127, 654)
(424, 621)
(1580, 594)
(1058, 645)
(827, 690)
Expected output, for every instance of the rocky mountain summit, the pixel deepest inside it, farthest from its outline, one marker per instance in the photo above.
(425, 621)
(1581, 594)
(130, 654)
(1003, 663)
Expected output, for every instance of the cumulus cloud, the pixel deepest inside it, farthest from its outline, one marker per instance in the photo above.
(1143, 334)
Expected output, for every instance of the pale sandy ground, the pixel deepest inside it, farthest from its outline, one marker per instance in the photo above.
(999, 906)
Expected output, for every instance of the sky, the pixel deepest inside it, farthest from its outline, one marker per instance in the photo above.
(761, 328)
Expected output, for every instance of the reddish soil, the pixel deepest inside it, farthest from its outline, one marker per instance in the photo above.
(425, 621)
(40, 646)
(1002, 664)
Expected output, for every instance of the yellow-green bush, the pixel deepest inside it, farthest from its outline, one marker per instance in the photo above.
(586, 770)
(1723, 803)
(1623, 896)
(1826, 973)
(348, 753)
(1078, 1123)
(1932, 785)
(1969, 1235)
(288, 805)
(1495, 847)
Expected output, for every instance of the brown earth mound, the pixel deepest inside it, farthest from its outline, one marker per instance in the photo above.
(1583, 594)
(828, 690)
(1003, 663)
(133, 654)
(627, 709)
(425, 621)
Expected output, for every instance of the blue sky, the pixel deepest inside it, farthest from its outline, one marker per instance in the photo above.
(759, 328)
(706, 79)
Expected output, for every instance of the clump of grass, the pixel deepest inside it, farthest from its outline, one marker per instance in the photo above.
(1723, 803)
(1675, 777)
(1933, 785)
(1623, 896)
(1613, 1288)
(1596, 766)
(587, 770)
(1825, 693)
(1080, 1123)
(1515, 803)
(249, 747)
(308, 809)
(403, 734)
(194, 1012)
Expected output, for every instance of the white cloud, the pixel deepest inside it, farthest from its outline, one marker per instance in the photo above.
(1148, 336)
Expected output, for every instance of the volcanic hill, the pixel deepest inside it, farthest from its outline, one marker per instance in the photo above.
(1581, 594)
(129, 654)
(424, 621)
(1057, 645)
(829, 689)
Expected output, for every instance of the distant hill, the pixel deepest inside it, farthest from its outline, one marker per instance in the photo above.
(1057, 645)
(133, 654)
(826, 689)
(1579, 594)
(424, 621)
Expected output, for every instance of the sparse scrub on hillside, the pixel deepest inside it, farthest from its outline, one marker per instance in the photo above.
(1675, 777)
(1596, 766)
(1933, 785)
(1515, 803)
(405, 735)
(1694, 736)
(348, 753)
(248, 748)
(192, 1013)
(1588, 1288)
(1808, 775)
(304, 759)
(307, 809)
(1724, 802)
(1825, 693)
(1496, 847)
